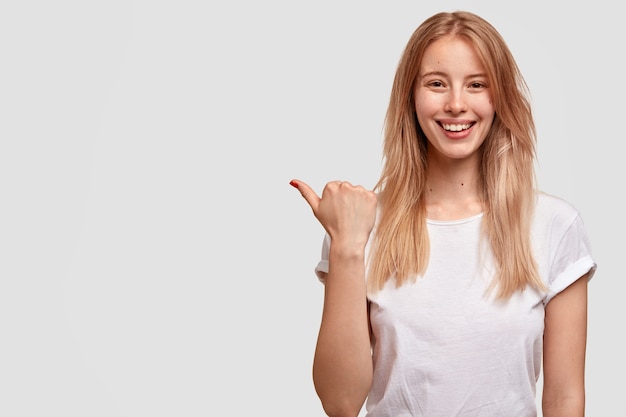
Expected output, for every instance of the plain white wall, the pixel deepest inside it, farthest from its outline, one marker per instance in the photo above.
(154, 260)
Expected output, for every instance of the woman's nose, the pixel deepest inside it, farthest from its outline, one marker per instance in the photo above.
(455, 102)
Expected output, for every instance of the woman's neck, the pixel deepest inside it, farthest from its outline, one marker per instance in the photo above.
(453, 194)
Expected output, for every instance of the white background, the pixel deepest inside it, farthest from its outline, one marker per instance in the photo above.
(154, 260)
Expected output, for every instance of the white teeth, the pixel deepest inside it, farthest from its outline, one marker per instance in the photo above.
(456, 128)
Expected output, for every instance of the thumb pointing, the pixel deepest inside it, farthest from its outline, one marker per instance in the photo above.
(307, 192)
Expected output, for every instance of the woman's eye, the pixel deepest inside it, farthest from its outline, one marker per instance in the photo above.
(435, 84)
(477, 85)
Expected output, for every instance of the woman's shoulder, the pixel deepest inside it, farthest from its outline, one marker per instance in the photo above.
(551, 209)
(550, 201)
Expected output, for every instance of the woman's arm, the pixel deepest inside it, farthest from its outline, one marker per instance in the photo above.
(565, 340)
(342, 366)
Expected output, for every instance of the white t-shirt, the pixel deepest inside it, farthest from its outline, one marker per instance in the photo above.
(443, 348)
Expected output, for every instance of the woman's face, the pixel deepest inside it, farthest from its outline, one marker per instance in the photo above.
(452, 99)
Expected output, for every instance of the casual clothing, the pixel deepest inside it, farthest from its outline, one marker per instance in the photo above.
(444, 347)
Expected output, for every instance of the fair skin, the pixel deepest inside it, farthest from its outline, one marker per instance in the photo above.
(564, 346)
(454, 108)
(342, 366)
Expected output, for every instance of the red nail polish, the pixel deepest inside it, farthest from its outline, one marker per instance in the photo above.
(293, 184)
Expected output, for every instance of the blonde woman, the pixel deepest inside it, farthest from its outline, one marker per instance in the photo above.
(451, 283)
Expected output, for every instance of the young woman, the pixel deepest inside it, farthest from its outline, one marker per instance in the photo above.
(448, 284)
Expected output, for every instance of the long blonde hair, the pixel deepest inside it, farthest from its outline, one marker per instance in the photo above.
(400, 246)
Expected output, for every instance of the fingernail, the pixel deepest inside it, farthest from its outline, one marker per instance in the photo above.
(293, 184)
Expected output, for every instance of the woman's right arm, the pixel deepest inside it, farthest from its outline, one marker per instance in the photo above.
(342, 367)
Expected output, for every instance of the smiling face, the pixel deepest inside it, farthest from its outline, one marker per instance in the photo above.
(452, 99)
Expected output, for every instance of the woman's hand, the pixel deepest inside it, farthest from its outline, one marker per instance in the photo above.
(347, 212)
